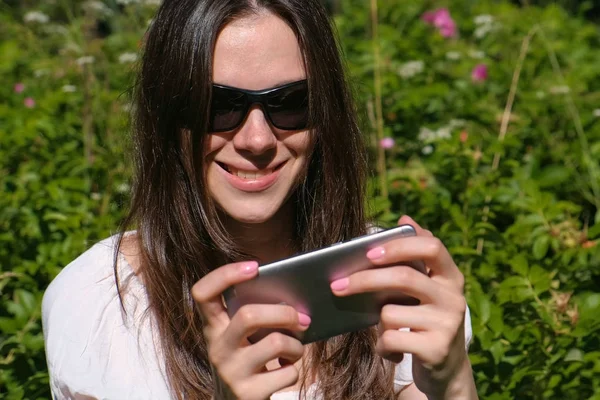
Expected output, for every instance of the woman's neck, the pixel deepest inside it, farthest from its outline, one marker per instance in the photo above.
(268, 241)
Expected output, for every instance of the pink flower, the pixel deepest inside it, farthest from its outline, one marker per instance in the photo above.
(480, 73)
(29, 102)
(442, 20)
(448, 30)
(429, 16)
(386, 143)
(19, 87)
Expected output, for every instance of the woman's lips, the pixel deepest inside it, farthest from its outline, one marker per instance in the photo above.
(250, 181)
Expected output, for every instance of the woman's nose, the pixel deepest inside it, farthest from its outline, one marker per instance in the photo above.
(255, 135)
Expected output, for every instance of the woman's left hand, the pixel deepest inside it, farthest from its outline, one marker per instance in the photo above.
(436, 338)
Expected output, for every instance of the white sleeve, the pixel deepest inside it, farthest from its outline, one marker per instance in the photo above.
(403, 375)
(92, 350)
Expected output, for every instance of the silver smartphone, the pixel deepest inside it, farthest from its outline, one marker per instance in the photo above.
(303, 281)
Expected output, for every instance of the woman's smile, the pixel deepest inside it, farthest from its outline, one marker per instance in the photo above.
(248, 179)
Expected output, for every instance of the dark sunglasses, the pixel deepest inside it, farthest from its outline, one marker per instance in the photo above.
(286, 107)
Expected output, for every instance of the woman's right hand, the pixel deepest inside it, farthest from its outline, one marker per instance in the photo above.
(240, 366)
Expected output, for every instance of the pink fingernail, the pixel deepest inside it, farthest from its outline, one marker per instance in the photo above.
(249, 267)
(375, 253)
(304, 319)
(340, 284)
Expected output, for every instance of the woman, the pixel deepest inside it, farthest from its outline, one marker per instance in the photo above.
(247, 149)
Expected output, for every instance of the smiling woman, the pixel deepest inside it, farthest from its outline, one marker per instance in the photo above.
(254, 53)
(252, 168)
(247, 151)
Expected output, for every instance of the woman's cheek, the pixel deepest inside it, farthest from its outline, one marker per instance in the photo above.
(212, 143)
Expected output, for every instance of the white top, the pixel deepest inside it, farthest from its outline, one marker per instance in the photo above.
(94, 351)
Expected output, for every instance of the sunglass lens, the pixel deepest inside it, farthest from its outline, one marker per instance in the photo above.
(227, 109)
(288, 108)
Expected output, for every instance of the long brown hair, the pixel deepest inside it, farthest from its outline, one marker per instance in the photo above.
(179, 232)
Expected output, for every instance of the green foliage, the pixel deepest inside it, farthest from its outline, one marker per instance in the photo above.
(524, 231)
(63, 174)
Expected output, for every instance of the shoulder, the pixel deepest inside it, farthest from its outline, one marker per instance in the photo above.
(93, 347)
(93, 265)
(88, 280)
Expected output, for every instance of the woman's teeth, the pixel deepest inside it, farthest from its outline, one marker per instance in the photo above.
(249, 174)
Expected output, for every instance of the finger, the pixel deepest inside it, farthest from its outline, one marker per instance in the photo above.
(420, 318)
(431, 349)
(428, 249)
(405, 219)
(272, 381)
(275, 345)
(393, 342)
(207, 291)
(252, 317)
(397, 278)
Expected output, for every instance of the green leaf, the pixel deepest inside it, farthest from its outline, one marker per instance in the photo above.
(485, 226)
(26, 299)
(514, 282)
(589, 306)
(496, 320)
(574, 355)
(589, 309)
(484, 309)
(10, 53)
(459, 218)
(553, 175)
(540, 247)
(513, 360)
(33, 342)
(17, 310)
(497, 351)
(517, 376)
(554, 381)
(594, 231)
(514, 289)
(479, 302)
(54, 216)
(532, 219)
(540, 279)
(381, 204)
(520, 265)
(463, 251)
(477, 359)
(592, 356)
(9, 325)
(512, 334)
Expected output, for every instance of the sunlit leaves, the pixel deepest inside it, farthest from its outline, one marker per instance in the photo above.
(532, 258)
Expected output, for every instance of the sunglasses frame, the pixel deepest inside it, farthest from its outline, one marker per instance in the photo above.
(252, 97)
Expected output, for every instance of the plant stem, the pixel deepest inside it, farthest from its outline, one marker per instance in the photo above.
(574, 113)
(506, 119)
(381, 164)
(88, 134)
(373, 121)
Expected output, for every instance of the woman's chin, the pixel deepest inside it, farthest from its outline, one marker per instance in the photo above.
(256, 211)
(246, 216)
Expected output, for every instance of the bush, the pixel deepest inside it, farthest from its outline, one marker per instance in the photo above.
(517, 204)
(512, 191)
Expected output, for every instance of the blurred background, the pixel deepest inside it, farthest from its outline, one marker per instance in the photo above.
(483, 119)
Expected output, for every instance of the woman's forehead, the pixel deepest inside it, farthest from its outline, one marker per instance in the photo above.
(257, 52)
